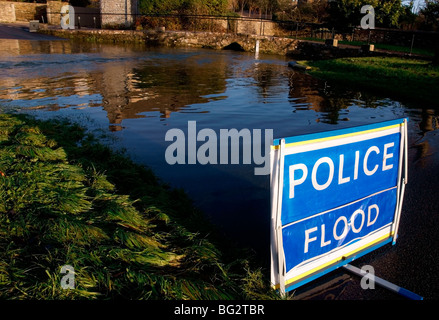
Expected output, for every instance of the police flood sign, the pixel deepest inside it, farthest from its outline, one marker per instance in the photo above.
(335, 196)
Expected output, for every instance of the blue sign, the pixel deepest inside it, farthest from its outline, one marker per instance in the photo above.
(322, 233)
(334, 176)
(335, 196)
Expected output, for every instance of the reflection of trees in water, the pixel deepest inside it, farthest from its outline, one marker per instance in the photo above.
(266, 76)
(428, 143)
(331, 103)
(317, 96)
(129, 82)
(429, 120)
(127, 88)
(127, 91)
(164, 87)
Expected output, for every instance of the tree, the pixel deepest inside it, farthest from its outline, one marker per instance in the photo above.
(407, 19)
(313, 12)
(260, 6)
(346, 13)
(211, 7)
(283, 9)
(430, 14)
(389, 12)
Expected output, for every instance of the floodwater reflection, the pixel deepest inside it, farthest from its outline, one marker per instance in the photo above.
(139, 93)
(129, 82)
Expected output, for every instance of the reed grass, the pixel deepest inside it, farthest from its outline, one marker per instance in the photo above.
(65, 199)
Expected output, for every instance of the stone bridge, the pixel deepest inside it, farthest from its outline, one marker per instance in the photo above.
(296, 49)
(267, 44)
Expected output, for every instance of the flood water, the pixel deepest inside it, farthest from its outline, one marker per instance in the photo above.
(133, 95)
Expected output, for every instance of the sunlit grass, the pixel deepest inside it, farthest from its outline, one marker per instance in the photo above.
(384, 46)
(410, 79)
(65, 199)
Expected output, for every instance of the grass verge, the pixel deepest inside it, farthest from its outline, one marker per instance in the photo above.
(398, 78)
(383, 46)
(65, 199)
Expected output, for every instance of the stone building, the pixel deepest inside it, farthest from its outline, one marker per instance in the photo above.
(118, 12)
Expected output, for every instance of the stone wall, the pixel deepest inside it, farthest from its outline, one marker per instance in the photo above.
(7, 10)
(30, 11)
(22, 11)
(267, 44)
(118, 12)
(53, 11)
(46, 12)
(295, 49)
(212, 24)
(260, 27)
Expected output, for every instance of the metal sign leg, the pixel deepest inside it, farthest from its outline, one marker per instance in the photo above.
(383, 283)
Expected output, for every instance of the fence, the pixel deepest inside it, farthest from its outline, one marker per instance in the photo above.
(92, 18)
(403, 38)
(173, 22)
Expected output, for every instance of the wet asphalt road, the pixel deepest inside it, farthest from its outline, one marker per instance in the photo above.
(20, 31)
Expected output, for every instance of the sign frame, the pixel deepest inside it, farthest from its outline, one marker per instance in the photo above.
(306, 271)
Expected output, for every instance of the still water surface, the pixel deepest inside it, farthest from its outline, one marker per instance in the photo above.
(135, 95)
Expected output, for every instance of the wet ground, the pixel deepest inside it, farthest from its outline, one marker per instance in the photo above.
(132, 95)
(20, 31)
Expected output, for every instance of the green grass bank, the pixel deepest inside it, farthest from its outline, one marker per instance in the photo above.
(397, 78)
(401, 49)
(65, 199)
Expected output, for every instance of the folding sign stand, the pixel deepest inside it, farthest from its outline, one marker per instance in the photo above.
(383, 283)
(335, 196)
